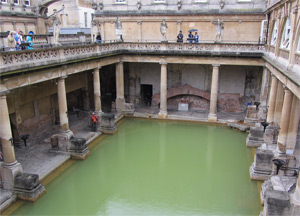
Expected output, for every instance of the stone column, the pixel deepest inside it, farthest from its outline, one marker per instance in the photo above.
(10, 167)
(140, 31)
(284, 121)
(214, 94)
(278, 104)
(293, 124)
(264, 94)
(97, 91)
(120, 101)
(272, 100)
(62, 104)
(163, 91)
(293, 41)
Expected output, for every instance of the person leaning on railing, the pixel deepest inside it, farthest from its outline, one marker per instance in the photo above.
(11, 42)
(180, 37)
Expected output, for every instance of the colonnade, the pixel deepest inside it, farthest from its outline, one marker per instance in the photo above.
(5, 128)
(284, 111)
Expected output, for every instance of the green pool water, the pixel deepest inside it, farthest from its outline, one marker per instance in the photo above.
(156, 168)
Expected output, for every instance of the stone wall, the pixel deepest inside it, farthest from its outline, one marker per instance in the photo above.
(33, 109)
(192, 82)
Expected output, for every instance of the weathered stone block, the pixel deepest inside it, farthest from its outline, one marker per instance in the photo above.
(255, 137)
(277, 203)
(61, 141)
(271, 135)
(28, 187)
(108, 124)
(261, 168)
(78, 148)
(26, 180)
(251, 115)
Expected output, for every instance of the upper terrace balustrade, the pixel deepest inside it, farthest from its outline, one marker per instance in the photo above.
(19, 61)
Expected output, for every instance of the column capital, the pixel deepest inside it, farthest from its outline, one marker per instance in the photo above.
(216, 65)
(295, 11)
(139, 22)
(97, 69)
(4, 93)
(62, 77)
(286, 89)
(178, 21)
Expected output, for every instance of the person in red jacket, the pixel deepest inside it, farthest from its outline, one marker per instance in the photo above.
(94, 119)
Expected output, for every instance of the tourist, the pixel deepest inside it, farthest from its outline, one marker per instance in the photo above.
(180, 37)
(249, 103)
(196, 37)
(18, 39)
(98, 38)
(11, 42)
(94, 119)
(190, 37)
(29, 41)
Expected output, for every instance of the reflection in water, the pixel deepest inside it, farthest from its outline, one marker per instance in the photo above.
(156, 168)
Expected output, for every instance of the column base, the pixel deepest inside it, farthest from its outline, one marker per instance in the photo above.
(8, 174)
(212, 117)
(60, 142)
(28, 187)
(162, 114)
(107, 124)
(255, 137)
(120, 104)
(261, 168)
(78, 148)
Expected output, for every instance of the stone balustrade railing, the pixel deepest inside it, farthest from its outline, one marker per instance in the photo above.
(26, 59)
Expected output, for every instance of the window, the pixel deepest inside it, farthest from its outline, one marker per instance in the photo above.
(274, 34)
(27, 2)
(120, 1)
(16, 2)
(285, 41)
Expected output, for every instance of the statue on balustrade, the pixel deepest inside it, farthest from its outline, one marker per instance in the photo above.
(56, 26)
(219, 30)
(94, 29)
(163, 30)
(118, 26)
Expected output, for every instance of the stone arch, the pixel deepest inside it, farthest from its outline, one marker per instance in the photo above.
(183, 90)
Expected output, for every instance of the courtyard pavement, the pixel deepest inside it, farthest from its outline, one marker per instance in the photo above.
(37, 158)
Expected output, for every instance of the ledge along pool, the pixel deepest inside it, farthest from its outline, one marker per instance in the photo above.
(156, 168)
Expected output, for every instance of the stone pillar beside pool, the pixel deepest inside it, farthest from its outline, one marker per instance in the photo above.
(108, 124)
(255, 137)
(261, 168)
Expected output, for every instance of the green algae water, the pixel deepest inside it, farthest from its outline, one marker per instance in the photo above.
(156, 168)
